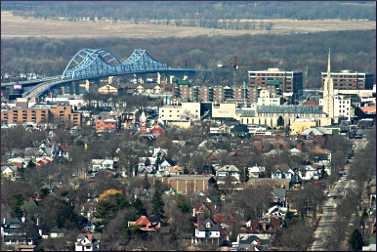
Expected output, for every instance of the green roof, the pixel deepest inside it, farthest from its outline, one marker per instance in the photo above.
(183, 82)
(246, 113)
(290, 109)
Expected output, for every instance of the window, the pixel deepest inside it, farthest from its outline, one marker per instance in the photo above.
(208, 225)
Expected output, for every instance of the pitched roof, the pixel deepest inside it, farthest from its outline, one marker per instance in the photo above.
(142, 221)
(202, 225)
(369, 109)
(290, 109)
(228, 168)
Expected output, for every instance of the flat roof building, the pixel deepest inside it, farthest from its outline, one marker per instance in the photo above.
(347, 79)
(39, 114)
(286, 83)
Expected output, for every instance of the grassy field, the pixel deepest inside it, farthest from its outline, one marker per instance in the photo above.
(16, 26)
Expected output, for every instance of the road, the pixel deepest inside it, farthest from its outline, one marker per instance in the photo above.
(328, 215)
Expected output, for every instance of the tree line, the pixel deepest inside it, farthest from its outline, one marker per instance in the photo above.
(141, 11)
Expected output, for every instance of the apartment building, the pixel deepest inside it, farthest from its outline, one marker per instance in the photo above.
(289, 84)
(183, 111)
(218, 94)
(39, 114)
(348, 80)
(342, 107)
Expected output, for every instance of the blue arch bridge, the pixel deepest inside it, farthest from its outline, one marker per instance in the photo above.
(90, 64)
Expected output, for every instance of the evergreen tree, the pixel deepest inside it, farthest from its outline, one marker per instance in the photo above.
(157, 201)
(146, 183)
(356, 240)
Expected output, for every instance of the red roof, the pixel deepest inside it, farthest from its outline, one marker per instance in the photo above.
(218, 218)
(369, 109)
(142, 221)
(157, 131)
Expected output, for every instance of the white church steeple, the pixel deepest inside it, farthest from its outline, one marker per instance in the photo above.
(328, 91)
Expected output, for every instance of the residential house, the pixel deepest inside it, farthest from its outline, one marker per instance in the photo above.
(19, 162)
(256, 171)
(86, 242)
(146, 224)
(101, 164)
(295, 152)
(227, 171)
(169, 167)
(13, 231)
(108, 89)
(56, 233)
(251, 242)
(157, 131)
(42, 161)
(282, 172)
(309, 173)
(106, 125)
(275, 212)
(150, 164)
(207, 231)
(8, 171)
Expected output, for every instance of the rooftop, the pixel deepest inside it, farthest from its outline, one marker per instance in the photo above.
(290, 109)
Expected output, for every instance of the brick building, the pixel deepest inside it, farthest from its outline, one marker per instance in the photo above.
(285, 83)
(105, 125)
(39, 114)
(186, 183)
(346, 79)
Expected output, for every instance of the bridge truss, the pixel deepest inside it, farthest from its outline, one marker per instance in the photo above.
(96, 63)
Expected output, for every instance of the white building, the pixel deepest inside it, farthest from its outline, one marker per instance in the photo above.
(86, 242)
(228, 171)
(342, 107)
(266, 99)
(102, 164)
(185, 111)
(256, 171)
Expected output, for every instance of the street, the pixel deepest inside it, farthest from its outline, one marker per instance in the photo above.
(336, 193)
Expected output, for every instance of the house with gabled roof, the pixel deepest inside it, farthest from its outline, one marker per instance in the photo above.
(87, 242)
(227, 171)
(252, 242)
(8, 171)
(146, 224)
(207, 230)
(256, 171)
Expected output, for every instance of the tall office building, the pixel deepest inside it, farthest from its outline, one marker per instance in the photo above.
(346, 79)
(289, 84)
